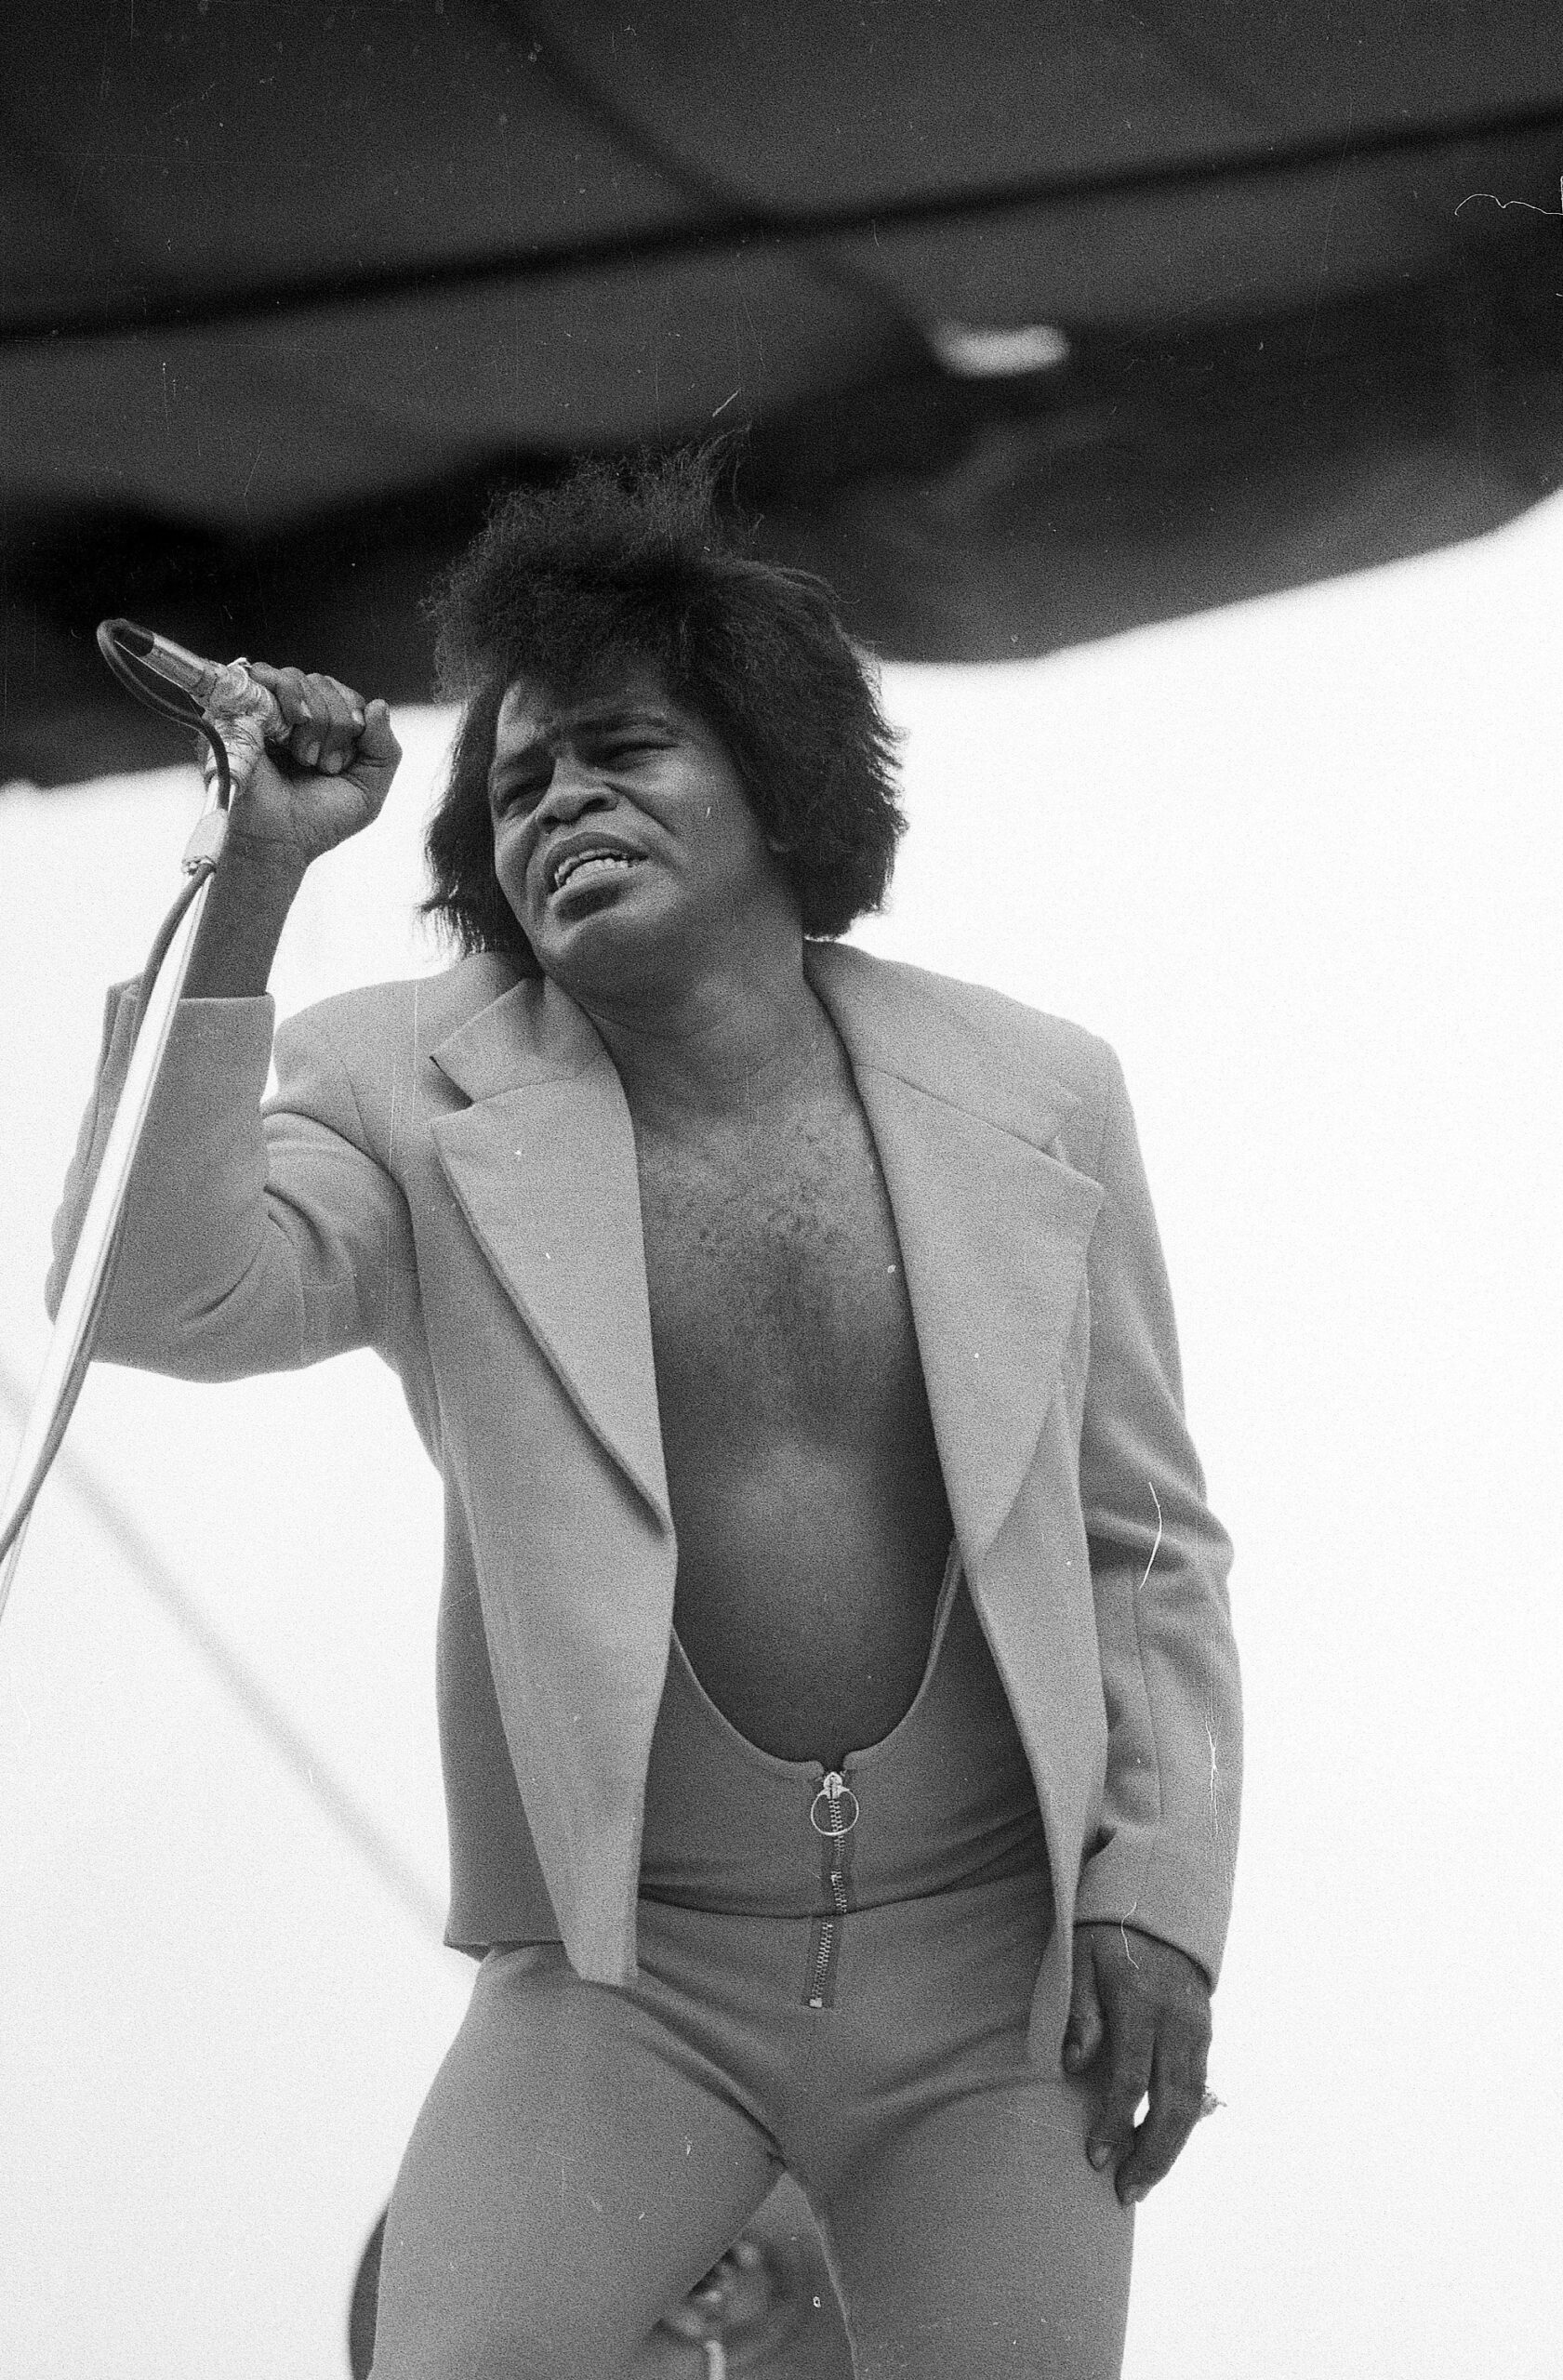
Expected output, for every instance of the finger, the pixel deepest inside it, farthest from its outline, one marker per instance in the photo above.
(376, 755)
(342, 712)
(305, 714)
(1176, 2087)
(1086, 2031)
(1111, 2133)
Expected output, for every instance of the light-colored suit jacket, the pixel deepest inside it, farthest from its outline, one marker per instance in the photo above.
(446, 1172)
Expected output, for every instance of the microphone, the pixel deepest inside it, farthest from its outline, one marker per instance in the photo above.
(215, 685)
(243, 712)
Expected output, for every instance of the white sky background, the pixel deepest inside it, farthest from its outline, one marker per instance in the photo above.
(1300, 862)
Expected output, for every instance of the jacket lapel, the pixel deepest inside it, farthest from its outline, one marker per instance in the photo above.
(543, 1166)
(993, 1226)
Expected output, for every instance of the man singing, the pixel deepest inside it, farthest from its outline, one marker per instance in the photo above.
(838, 1700)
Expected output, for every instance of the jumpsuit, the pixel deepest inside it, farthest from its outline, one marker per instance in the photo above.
(835, 1977)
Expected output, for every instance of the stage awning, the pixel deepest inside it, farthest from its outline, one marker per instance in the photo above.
(1044, 321)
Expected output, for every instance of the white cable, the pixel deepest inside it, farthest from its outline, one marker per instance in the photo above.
(95, 1237)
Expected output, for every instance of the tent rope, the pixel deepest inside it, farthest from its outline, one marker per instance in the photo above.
(243, 1685)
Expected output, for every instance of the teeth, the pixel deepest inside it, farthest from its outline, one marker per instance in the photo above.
(573, 866)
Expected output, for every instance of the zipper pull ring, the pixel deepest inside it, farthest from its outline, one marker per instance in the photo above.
(833, 1793)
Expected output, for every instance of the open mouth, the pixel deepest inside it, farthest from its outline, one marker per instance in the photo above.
(588, 872)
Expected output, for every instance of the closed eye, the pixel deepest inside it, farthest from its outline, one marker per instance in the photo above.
(641, 749)
(515, 792)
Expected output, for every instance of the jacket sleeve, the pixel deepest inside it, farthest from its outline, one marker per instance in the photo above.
(1163, 1857)
(256, 1240)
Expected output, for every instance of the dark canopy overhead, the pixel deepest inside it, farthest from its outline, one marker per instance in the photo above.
(1045, 320)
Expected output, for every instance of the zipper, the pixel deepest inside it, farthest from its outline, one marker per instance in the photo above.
(835, 1793)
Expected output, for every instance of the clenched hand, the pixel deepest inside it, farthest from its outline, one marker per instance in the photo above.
(305, 793)
(327, 780)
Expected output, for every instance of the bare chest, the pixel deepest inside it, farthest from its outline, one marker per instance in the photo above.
(803, 1470)
(776, 1279)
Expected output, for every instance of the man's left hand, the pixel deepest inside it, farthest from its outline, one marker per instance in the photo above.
(1144, 2008)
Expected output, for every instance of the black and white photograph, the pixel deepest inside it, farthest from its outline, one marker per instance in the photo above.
(781, 862)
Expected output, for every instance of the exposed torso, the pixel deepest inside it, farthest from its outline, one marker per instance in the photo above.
(803, 1477)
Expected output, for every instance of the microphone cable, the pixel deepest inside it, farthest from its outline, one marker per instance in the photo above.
(120, 642)
(117, 642)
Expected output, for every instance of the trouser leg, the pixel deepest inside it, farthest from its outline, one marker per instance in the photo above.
(976, 2240)
(574, 2171)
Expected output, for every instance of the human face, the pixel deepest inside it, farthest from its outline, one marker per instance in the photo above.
(623, 839)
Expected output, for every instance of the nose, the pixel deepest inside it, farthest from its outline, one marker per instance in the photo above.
(572, 788)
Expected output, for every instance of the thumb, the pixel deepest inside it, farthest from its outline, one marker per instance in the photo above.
(376, 748)
(374, 756)
(1086, 2028)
